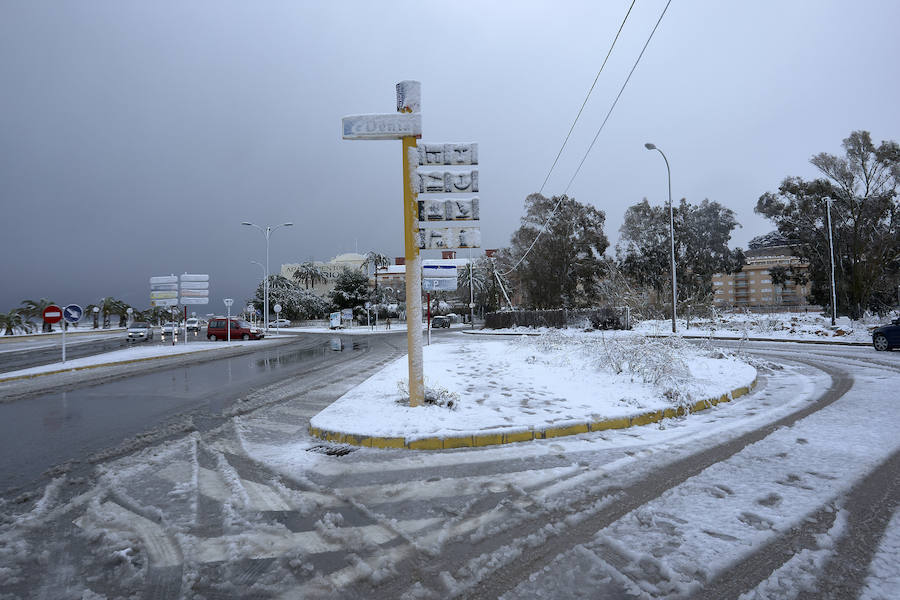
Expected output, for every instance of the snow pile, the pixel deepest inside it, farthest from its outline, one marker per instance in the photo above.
(553, 380)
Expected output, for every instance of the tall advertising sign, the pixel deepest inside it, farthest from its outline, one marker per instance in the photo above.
(447, 201)
(406, 126)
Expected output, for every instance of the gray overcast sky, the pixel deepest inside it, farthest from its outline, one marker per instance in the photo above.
(136, 136)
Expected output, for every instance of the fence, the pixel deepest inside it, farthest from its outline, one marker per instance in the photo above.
(593, 318)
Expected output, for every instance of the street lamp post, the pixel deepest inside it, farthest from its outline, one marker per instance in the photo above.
(266, 232)
(650, 146)
(828, 200)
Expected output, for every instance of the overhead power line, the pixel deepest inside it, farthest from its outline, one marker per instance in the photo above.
(602, 125)
(583, 104)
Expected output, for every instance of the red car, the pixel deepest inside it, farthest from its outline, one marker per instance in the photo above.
(240, 330)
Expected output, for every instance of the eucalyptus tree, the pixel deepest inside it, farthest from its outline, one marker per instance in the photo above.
(865, 216)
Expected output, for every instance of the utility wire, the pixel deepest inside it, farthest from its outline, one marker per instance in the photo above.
(583, 104)
(584, 158)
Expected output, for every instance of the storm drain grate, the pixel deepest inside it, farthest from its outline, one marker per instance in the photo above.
(331, 449)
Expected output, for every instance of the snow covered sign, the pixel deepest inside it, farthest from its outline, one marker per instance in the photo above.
(439, 278)
(444, 182)
(448, 210)
(447, 154)
(382, 127)
(443, 238)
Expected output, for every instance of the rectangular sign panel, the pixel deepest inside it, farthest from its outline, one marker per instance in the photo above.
(448, 210)
(440, 284)
(194, 300)
(194, 293)
(446, 182)
(449, 237)
(163, 294)
(382, 127)
(164, 279)
(159, 287)
(447, 154)
(194, 277)
(195, 285)
(164, 302)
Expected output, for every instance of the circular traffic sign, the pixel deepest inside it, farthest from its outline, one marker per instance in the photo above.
(72, 313)
(277, 308)
(52, 314)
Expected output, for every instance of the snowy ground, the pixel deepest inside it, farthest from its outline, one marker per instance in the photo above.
(559, 379)
(134, 353)
(259, 508)
(786, 326)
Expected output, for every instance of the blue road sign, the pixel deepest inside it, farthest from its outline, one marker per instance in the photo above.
(72, 313)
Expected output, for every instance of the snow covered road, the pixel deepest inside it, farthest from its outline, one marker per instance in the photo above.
(787, 492)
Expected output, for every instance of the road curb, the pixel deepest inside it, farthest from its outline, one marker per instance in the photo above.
(524, 435)
(98, 365)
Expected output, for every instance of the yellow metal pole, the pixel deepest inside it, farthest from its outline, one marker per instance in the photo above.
(413, 281)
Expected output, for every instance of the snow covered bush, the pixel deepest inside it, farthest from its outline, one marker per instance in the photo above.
(436, 395)
(656, 361)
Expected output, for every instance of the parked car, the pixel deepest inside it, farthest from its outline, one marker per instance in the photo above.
(140, 332)
(240, 330)
(887, 336)
(440, 322)
(279, 323)
(193, 325)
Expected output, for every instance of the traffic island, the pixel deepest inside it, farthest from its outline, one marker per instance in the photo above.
(505, 391)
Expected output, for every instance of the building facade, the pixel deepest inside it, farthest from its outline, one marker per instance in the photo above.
(752, 287)
(330, 270)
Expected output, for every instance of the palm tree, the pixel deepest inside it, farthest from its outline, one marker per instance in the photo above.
(375, 260)
(310, 273)
(12, 320)
(110, 306)
(34, 309)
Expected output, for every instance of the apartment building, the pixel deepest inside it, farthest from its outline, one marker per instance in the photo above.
(752, 287)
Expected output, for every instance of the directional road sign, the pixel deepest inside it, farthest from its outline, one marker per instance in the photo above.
(52, 314)
(72, 313)
(382, 127)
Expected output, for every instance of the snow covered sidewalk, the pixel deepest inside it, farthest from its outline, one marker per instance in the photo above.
(561, 383)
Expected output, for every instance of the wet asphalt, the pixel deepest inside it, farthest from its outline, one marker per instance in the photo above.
(55, 432)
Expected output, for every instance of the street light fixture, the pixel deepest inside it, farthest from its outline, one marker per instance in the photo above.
(266, 232)
(828, 200)
(650, 146)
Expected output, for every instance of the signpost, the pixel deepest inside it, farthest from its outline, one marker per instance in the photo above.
(228, 302)
(277, 308)
(407, 127)
(71, 314)
(53, 314)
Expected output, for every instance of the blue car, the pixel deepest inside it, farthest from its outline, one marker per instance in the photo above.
(887, 336)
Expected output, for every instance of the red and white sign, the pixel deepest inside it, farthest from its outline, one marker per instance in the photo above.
(52, 314)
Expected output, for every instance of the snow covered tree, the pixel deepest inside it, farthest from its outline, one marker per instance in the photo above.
(865, 216)
(702, 233)
(563, 267)
(309, 273)
(295, 303)
(351, 289)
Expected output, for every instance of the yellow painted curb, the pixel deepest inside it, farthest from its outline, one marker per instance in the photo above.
(493, 439)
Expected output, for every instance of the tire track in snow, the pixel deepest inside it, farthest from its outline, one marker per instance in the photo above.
(630, 497)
